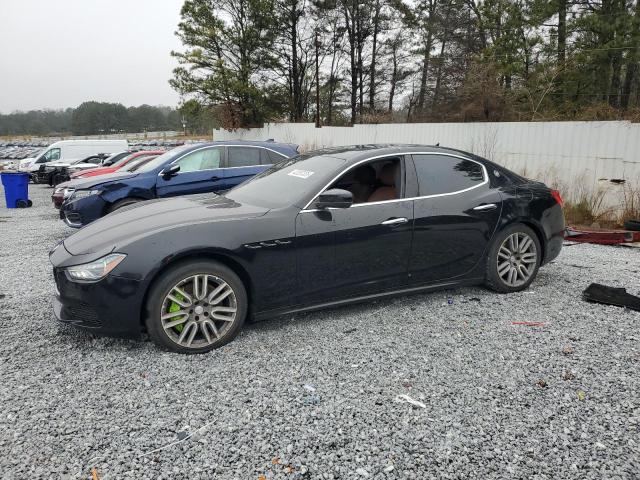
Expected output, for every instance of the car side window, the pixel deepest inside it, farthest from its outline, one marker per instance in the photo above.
(438, 174)
(270, 157)
(50, 156)
(205, 159)
(375, 181)
(244, 156)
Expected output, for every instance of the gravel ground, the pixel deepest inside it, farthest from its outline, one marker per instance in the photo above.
(317, 395)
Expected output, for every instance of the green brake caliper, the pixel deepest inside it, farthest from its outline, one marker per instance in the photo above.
(174, 307)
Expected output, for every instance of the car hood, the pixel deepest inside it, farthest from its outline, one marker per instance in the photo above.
(90, 182)
(61, 186)
(131, 223)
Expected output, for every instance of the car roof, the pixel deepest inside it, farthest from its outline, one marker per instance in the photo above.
(355, 153)
(285, 148)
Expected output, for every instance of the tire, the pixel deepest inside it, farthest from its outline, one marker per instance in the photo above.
(198, 314)
(125, 202)
(57, 179)
(523, 265)
(633, 225)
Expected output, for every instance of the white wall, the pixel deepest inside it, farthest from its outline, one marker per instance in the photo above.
(570, 155)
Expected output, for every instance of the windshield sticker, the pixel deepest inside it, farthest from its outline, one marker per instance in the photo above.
(301, 173)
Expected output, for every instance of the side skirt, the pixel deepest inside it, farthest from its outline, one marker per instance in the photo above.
(259, 316)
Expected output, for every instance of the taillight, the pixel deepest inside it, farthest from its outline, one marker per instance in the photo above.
(557, 197)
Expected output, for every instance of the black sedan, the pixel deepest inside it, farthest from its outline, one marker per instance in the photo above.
(322, 229)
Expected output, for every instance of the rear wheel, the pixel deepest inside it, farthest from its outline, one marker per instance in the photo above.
(196, 307)
(514, 259)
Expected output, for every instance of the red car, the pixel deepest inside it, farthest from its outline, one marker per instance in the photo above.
(116, 166)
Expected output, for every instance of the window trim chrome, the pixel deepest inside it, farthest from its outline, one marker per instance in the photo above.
(357, 205)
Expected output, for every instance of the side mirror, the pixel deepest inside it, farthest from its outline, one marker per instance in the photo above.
(170, 171)
(107, 164)
(335, 198)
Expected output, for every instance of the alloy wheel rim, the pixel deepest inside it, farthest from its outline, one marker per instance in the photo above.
(517, 257)
(198, 311)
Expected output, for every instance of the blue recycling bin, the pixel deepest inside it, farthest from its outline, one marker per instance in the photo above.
(16, 189)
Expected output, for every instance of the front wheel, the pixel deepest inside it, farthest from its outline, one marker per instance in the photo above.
(514, 259)
(196, 307)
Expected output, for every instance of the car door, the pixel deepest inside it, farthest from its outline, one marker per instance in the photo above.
(200, 172)
(243, 162)
(356, 251)
(456, 214)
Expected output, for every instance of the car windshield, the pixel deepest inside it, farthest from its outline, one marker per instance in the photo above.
(134, 165)
(289, 182)
(162, 159)
(118, 158)
(120, 161)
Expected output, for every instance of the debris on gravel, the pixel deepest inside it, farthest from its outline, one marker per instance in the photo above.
(313, 396)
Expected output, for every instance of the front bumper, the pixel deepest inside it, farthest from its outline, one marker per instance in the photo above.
(57, 200)
(79, 212)
(110, 307)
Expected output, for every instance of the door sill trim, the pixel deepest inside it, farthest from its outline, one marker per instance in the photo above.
(363, 298)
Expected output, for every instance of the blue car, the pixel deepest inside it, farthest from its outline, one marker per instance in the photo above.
(190, 169)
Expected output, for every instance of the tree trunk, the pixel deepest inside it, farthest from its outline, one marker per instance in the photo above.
(631, 74)
(374, 51)
(350, 24)
(360, 44)
(297, 96)
(562, 43)
(422, 94)
(616, 71)
(394, 77)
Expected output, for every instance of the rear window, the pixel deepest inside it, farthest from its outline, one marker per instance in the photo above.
(271, 157)
(244, 156)
(438, 174)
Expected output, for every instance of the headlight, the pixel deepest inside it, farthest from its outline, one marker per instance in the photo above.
(67, 192)
(96, 270)
(85, 193)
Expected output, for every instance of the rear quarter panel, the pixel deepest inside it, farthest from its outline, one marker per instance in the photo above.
(533, 205)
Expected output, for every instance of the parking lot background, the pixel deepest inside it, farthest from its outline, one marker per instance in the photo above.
(319, 395)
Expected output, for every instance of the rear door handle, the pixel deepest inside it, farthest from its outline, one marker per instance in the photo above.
(485, 206)
(395, 221)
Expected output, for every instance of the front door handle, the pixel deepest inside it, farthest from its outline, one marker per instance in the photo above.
(215, 177)
(395, 221)
(485, 206)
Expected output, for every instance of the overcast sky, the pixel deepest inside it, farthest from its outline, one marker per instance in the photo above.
(60, 53)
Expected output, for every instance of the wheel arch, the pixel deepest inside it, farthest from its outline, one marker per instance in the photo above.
(226, 258)
(109, 204)
(537, 229)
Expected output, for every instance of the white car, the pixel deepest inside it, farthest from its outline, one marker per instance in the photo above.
(65, 152)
